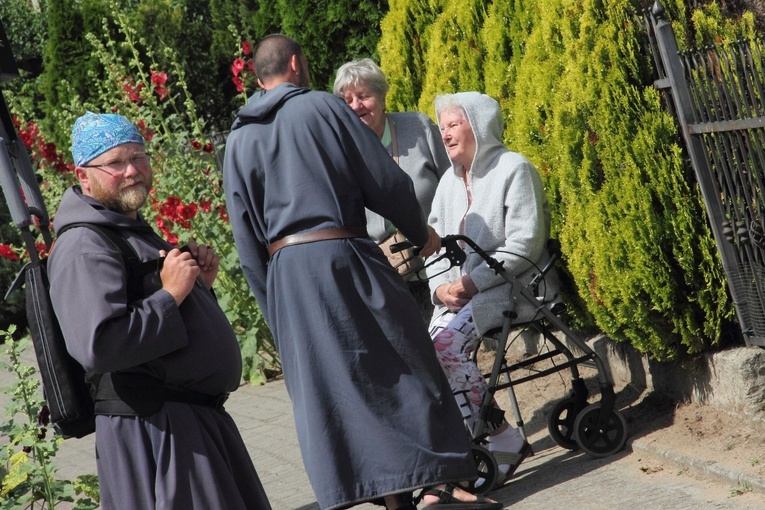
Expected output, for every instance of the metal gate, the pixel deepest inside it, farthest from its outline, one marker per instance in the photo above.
(718, 96)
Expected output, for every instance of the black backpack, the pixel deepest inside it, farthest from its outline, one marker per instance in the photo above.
(75, 397)
(69, 395)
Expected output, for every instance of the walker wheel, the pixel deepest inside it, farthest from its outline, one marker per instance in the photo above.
(600, 441)
(488, 471)
(560, 424)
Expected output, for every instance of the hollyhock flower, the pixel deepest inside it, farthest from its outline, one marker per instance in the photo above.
(196, 145)
(208, 147)
(171, 238)
(246, 48)
(239, 83)
(7, 252)
(237, 66)
(134, 92)
(205, 205)
(147, 133)
(223, 213)
(159, 80)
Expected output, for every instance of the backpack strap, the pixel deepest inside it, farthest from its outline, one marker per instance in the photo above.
(136, 268)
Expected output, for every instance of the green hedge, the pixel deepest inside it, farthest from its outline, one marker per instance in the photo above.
(576, 85)
(574, 81)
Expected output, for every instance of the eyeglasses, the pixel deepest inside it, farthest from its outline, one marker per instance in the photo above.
(119, 166)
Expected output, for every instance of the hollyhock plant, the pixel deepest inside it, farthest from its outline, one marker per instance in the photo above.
(243, 70)
(186, 200)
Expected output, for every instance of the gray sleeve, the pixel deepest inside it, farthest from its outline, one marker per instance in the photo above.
(103, 331)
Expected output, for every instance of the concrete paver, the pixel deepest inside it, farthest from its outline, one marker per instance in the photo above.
(552, 478)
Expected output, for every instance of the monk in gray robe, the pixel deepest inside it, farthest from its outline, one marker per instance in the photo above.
(374, 414)
(161, 345)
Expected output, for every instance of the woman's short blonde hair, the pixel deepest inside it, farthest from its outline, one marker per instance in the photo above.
(361, 72)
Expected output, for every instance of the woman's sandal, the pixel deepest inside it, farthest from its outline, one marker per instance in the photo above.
(447, 501)
(513, 460)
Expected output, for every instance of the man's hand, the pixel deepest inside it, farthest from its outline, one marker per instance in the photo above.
(179, 272)
(433, 244)
(208, 261)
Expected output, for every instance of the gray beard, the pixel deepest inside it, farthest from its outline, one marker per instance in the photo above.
(122, 202)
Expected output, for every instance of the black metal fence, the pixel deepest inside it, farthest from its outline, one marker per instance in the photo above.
(718, 96)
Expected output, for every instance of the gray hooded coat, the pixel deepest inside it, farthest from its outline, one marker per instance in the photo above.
(184, 456)
(373, 410)
(509, 218)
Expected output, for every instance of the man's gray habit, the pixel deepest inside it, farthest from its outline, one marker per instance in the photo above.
(184, 456)
(373, 410)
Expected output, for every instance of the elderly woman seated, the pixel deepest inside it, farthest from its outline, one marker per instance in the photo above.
(495, 197)
(411, 138)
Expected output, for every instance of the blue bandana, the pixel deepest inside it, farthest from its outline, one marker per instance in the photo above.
(93, 134)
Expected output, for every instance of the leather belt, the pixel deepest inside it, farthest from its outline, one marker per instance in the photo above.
(316, 235)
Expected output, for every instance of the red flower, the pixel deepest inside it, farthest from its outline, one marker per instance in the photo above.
(223, 213)
(239, 84)
(246, 48)
(42, 250)
(196, 145)
(208, 147)
(134, 93)
(205, 205)
(237, 66)
(158, 80)
(171, 238)
(7, 253)
(147, 133)
(187, 212)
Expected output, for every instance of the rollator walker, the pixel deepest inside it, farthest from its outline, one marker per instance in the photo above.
(597, 429)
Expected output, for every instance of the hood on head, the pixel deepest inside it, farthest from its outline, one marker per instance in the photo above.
(485, 119)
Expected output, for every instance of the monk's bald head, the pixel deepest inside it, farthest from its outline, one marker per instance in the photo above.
(272, 56)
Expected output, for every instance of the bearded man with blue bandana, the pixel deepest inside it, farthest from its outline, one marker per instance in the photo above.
(158, 348)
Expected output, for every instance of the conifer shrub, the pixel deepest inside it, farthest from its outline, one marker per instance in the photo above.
(575, 81)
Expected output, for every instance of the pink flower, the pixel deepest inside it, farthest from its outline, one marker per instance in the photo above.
(443, 340)
(246, 48)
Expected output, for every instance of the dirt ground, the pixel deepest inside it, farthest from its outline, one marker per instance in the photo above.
(705, 433)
